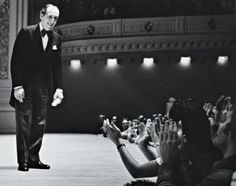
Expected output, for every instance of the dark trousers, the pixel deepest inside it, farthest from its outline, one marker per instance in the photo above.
(31, 122)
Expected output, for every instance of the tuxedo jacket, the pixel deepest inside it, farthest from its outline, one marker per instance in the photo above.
(30, 62)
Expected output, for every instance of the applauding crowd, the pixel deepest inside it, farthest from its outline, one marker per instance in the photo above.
(191, 144)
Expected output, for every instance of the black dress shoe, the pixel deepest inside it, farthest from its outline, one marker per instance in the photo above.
(38, 165)
(23, 167)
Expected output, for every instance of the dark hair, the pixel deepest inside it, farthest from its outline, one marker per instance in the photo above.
(221, 103)
(196, 126)
(140, 183)
(199, 149)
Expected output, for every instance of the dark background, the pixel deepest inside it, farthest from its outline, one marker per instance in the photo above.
(132, 90)
(85, 10)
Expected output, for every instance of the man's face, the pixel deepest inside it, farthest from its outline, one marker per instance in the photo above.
(148, 122)
(125, 124)
(50, 18)
(114, 119)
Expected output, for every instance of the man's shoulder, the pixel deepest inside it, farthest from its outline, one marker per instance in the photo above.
(30, 27)
(56, 34)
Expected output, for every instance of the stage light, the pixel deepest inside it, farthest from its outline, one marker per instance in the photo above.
(222, 60)
(185, 61)
(112, 63)
(148, 62)
(75, 64)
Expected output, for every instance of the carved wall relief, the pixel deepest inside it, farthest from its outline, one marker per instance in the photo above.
(4, 38)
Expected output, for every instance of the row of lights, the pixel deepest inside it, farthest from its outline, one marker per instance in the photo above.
(148, 62)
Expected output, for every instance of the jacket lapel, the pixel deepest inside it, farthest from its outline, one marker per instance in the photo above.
(49, 45)
(38, 39)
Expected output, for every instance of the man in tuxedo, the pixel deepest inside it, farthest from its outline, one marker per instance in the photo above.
(35, 65)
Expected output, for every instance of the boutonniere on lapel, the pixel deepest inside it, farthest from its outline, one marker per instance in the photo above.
(54, 47)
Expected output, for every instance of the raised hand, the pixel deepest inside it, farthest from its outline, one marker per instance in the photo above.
(169, 142)
(153, 133)
(112, 131)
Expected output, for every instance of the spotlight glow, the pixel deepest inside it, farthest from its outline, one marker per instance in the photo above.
(148, 62)
(222, 60)
(75, 64)
(185, 61)
(112, 63)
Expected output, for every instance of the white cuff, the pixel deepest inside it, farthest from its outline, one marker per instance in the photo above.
(18, 87)
(59, 90)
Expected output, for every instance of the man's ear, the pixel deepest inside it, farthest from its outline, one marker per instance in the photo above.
(41, 16)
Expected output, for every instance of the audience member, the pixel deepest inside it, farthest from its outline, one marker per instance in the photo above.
(141, 132)
(137, 170)
(132, 131)
(223, 135)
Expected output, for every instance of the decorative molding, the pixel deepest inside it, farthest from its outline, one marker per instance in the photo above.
(4, 38)
(13, 16)
(91, 29)
(152, 26)
(199, 24)
(148, 27)
(149, 35)
(149, 44)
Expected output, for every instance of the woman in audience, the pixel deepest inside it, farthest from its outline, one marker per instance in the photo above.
(137, 170)
(223, 136)
(197, 152)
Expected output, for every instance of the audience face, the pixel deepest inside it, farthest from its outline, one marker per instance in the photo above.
(101, 118)
(221, 127)
(134, 124)
(141, 128)
(114, 119)
(125, 124)
(148, 122)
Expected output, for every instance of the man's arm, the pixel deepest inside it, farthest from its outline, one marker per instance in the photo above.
(57, 69)
(17, 59)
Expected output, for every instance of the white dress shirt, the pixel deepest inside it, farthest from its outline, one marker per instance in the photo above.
(45, 38)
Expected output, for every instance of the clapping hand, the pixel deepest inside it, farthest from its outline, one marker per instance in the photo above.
(151, 129)
(169, 149)
(172, 140)
(112, 131)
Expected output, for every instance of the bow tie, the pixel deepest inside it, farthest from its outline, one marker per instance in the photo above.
(44, 32)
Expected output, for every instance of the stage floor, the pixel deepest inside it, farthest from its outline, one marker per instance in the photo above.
(75, 159)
